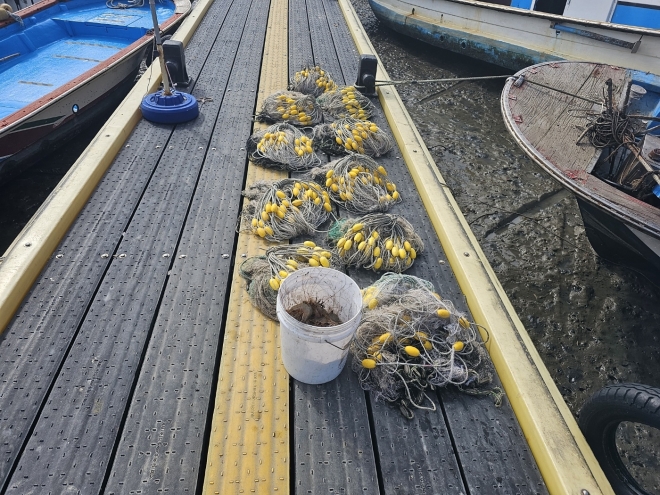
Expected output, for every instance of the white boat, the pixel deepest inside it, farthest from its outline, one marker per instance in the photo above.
(604, 149)
(519, 33)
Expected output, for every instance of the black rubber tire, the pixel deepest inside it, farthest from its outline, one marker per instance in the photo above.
(601, 415)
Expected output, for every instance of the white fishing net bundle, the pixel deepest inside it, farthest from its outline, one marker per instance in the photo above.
(357, 183)
(312, 81)
(411, 340)
(265, 273)
(350, 135)
(286, 208)
(291, 107)
(377, 241)
(284, 147)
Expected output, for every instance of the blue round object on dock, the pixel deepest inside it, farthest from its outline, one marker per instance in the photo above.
(169, 109)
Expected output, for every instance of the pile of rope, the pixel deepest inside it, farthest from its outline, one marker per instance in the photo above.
(610, 128)
(414, 342)
(357, 183)
(282, 146)
(285, 209)
(352, 136)
(265, 273)
(345, 102)
(292, 107)
(312, 81)
(377, 241)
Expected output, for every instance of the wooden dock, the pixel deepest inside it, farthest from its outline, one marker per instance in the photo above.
(137, 365)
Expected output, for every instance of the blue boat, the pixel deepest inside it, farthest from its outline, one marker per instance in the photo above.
(64, 62)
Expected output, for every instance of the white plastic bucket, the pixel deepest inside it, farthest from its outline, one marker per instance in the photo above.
(317, 354)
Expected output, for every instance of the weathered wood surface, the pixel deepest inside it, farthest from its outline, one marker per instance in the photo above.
(548, 124)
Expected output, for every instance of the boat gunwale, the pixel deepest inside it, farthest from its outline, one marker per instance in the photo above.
(557, 18)
(11, 122)
(623, 212)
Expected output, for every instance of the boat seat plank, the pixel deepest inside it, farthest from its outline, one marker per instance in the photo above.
(174, 391)
(559, 143)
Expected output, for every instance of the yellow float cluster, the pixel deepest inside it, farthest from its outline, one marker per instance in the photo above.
(380, 242)
(352, 105)
(352, 137)
(405, 348)
(294, 111)
(306, 254)
(276, 139)
(289, 208)
(360, 184)
(313, 81)
(303, 145)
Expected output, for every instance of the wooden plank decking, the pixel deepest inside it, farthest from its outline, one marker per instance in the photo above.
(127, 368)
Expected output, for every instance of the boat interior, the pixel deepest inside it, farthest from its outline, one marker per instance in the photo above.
(635, 168)
(57, 44)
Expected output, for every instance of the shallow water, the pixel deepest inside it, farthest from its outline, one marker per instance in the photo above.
(593, 322)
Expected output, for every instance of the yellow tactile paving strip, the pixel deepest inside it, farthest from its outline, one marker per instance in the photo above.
(249, 445)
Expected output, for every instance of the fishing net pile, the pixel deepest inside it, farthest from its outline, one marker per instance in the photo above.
(377, 241)
(292, 107)
(312, 81)
(358, 183)
(411, 341)
(344, 102)
(282, 146)
(264, 274)
(352, 136)
(287, 208)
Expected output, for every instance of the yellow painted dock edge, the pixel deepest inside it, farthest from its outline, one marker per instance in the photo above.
(249, 445)
(561, 452)
(28, 254)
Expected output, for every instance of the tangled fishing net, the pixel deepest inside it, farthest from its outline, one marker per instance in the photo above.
(312, 81)
(358, 183)
(414, 342)
(292, 107)
(265, 273)
(344, 102)
(282, 146)
(352, 136)
(286, 208)
(377, 241)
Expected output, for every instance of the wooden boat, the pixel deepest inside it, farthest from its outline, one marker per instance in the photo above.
(519, 33)
(559, 113)
(63, 63)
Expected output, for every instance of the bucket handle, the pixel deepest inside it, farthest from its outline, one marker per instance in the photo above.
(340, 348)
